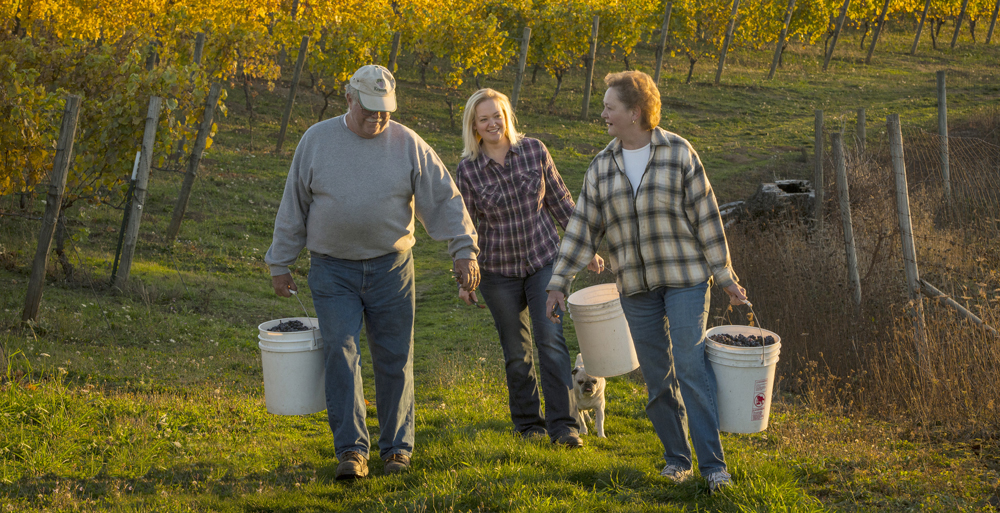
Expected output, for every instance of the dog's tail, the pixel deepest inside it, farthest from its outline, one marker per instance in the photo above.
(579, 359)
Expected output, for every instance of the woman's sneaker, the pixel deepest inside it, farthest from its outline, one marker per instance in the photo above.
(675, 473)
(718, 480)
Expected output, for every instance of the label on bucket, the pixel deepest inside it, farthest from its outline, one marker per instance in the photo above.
(759, 389)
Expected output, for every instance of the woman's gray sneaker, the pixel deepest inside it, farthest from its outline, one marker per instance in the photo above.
(675, 473)
(718, 480)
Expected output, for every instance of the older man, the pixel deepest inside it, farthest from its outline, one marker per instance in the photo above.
(355, 185)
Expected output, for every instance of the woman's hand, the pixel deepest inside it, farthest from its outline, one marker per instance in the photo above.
(596, 264)
(556, 300)
(737, 294)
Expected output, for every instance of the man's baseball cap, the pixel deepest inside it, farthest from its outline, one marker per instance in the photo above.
(376, 88)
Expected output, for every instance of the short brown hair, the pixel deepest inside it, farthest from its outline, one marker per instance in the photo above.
(636, 90)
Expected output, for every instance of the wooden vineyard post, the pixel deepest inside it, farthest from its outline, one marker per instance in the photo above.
(662, 49)
(726, 41)
(878, 30)
(303, 48)
(129, 194)
(781, 39)
(909, 249)
(861, 130)
(920, 27)
(199, 47)
(519, 80)
(393, 52)
(958, 23)
(943, 135)
(993, 22)
(836, 33)
(141, 185)
(589, 79)
(193, 162)
(818, 172)
(845, 216)
(53, 204)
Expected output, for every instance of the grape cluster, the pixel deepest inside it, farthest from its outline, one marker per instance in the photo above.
(287, 326)
(742, 340)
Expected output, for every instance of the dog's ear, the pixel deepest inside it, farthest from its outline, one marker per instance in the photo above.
(579, 359)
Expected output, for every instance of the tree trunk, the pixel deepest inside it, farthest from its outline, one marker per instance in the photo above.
(559, 78)
(534, 74)
(628, 66)
(248, 93)
(864, 35)
(691, 60)
(326, 103)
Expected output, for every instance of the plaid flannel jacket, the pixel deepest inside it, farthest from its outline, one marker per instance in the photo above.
(669, 234)
(513, 206)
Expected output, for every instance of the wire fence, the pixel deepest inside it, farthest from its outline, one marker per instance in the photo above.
(837, 352)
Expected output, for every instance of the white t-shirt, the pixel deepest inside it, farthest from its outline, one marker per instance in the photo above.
(635, 165)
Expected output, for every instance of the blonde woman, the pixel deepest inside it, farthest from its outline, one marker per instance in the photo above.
(515, 197)
(648, 196)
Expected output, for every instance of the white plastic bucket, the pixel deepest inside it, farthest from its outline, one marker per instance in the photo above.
(294, 368)
(602, 331)
(745, 379)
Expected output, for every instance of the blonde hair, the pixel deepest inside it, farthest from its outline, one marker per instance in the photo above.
(470, 138)
(636, 90)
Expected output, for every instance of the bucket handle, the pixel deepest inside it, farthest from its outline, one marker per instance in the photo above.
(757, 322)
(315, 344)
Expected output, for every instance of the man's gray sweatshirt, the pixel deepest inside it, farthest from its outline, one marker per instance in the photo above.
(355, 198)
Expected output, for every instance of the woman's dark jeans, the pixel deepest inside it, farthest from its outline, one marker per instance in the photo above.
(517, 305)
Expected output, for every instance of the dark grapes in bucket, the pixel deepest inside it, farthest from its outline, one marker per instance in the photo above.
(288, 326)
(742, 340)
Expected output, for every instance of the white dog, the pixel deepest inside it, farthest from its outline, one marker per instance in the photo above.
(589, 392)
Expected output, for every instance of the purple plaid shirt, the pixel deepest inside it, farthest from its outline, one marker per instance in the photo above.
(513, 206)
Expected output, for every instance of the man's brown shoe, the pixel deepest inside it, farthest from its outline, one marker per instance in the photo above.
(352, 466)
(397, 464)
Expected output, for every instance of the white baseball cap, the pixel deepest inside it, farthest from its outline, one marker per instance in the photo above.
(376, 88)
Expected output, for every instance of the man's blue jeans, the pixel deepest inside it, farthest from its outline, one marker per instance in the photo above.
(379, 291)
(517, 304)
(668, 329)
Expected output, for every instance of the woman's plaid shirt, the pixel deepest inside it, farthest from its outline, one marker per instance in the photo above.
(513, 206)
(669, 234)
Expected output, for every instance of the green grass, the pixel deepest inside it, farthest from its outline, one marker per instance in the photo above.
(151, 399)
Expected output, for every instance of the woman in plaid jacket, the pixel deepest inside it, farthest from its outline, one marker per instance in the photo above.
(647, 195)
(515, 195)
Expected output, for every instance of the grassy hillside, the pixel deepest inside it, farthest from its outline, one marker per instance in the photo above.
(151, 399)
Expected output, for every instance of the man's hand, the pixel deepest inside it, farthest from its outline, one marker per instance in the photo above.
(469, 297)
(283, 283)
(737, 294)
(556, 299)
(596, 264)
(467, 273)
